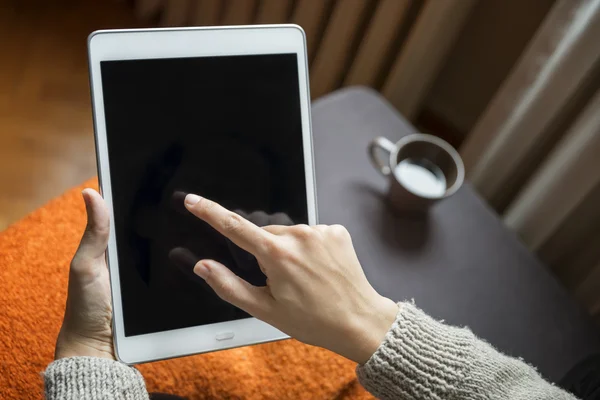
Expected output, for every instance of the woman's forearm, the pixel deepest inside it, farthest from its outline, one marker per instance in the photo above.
(422, 358)
(92, 378)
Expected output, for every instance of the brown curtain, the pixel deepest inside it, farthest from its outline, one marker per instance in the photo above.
(535, 152)
(395, 46)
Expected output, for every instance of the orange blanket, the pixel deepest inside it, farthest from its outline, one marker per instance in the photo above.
(34, 262)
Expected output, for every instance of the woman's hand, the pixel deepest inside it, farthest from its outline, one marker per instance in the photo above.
(316, 289)
(87, 325)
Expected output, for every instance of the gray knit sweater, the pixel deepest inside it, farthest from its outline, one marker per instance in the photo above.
(420, 358)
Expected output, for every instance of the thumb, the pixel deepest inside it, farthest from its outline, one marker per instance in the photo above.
(256, 301)
(95, 238)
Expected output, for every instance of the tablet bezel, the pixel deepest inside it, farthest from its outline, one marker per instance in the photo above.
(132, 44)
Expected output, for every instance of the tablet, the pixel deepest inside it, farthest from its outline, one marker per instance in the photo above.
(221, 112)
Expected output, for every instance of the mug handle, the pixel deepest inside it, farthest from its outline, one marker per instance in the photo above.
(378, 146)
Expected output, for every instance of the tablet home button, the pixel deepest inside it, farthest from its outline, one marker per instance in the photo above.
(224, 336)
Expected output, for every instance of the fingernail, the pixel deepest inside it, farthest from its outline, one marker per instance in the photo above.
(201, 269)
(191, 199)
(86, 198)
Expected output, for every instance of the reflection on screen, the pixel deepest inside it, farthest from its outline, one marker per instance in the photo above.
(227, 128)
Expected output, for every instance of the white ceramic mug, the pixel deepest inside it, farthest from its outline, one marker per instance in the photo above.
(422, 169)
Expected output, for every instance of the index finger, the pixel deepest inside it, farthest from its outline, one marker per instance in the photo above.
(231, 225)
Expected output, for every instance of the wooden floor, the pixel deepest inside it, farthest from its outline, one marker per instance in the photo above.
(46, 137)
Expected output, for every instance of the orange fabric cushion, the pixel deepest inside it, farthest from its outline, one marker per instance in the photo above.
(34, 263)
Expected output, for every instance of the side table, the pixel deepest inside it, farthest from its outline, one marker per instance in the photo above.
(459, 264)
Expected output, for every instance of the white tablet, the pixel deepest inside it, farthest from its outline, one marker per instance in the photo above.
(221, 112)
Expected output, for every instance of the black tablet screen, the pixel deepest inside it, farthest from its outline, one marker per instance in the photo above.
(227, 128)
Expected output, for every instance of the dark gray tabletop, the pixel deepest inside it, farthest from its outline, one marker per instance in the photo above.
(460, 264)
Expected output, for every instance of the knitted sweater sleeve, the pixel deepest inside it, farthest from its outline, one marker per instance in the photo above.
(422, 358)
(93, 378)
